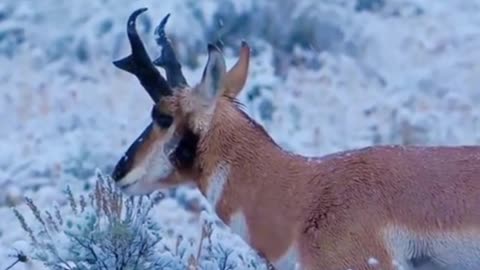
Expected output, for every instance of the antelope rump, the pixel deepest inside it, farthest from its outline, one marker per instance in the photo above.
(380, 207)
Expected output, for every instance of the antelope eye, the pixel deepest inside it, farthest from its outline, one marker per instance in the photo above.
(161, 119)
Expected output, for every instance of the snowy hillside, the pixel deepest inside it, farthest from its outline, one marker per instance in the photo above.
(325, 76)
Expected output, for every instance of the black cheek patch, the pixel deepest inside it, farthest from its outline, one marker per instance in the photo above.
(184, 155)
(124, 165)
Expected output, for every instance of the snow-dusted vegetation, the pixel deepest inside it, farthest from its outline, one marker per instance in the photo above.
(325, 76)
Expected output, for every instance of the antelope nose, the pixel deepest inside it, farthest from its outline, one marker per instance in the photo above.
(125, 164)
(121, 169)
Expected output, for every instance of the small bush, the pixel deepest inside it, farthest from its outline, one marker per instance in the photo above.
(102, 231)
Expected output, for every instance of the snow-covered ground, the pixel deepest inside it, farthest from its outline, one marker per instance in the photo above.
(405, 73)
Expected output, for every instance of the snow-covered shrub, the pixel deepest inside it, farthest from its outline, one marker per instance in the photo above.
(101, 231)
(104, 230)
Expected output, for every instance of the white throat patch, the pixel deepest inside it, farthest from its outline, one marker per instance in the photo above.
(216, 184)
(289, 260)
(238, 225)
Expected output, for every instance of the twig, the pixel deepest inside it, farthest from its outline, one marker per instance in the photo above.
(13, 264)
(21, 257)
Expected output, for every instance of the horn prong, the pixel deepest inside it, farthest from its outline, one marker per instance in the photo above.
(139, 63)
(168, 59)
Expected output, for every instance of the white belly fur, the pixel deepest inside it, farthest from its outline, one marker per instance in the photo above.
(442, 251)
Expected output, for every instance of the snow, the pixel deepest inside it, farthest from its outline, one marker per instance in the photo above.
(407, 74)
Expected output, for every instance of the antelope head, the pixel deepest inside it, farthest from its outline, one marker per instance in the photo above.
(165, 155)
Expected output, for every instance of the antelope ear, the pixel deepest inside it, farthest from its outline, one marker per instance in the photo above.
(213, 78)
(237, 75)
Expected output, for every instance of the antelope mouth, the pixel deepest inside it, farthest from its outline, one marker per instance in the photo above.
(146, 178)
(126, 186)
(139, 188)
(129, 185)
(129, 189)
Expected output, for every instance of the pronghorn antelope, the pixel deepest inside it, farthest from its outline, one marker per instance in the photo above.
(381, 207)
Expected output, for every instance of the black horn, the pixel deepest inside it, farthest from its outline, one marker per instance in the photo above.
(139, 64)
(168, 59)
